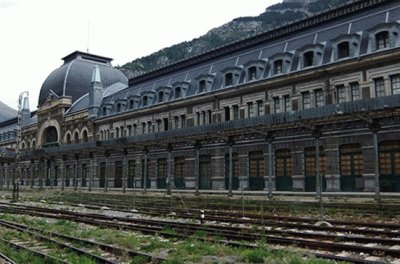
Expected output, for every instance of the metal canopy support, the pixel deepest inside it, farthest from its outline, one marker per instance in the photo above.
(375, 127)
(124, 170)
(76, 172)
(107, 154)
(62, 171)
(145, 172)
(197, 167)
(169, 171)
(230, 144)
(91, 172)
(270, 171)
(32, 176)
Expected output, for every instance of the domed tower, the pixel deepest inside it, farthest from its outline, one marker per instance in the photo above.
(68, 88)
(74, 78)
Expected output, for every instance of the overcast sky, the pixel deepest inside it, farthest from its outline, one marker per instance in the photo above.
(36, 34)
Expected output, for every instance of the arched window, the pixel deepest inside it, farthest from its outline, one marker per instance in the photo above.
(68, 138)
(76, 137)
(85, 136)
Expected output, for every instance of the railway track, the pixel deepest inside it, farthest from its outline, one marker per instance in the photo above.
(5, 260)
(127, 201)
(40, 240)
(306, 235)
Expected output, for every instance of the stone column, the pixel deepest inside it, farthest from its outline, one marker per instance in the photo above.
(52, 172)
(32, 173)
(375, 127)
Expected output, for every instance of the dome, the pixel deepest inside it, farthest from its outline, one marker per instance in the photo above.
(74, 77)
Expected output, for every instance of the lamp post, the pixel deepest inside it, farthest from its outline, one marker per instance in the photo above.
(17, 149)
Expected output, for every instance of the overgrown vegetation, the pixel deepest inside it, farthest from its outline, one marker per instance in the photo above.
(195, 249)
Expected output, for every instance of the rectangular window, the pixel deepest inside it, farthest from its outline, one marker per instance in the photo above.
(287, 103)
(143, 127)
(250, 109)
(165, 120)
(198, 118)
(202, 86)
(343, 49)
(260, 108)
(235, 112)
(306, 100)
(149, 127)
(277, 105)
(382, 40)
(228, 79)
(227, 113)
(278, 67)
(379, 87)
(395, 84)
(319, 98)
(355, 91)
(252, 73)
(341, 93)
(176, 122)
(183, 121)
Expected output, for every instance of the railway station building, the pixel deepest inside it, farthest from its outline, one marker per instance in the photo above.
(316, 97)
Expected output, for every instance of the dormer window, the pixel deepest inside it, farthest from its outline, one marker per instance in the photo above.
(382, 40)
(231, 76)
(202, 86)
(160, 96)
(278, 67)
(308, 59)
(254, 69)
(252, 73)
(178, 92)
(131, 104)
(228, 79)
(118, 107)
(384, 36)
(345, 46)
(311, 55)
(343, 49)
(104, 111)
(144, 101)
(280, 63)
(204, 82)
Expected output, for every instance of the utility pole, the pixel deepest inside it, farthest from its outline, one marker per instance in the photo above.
(17, 179)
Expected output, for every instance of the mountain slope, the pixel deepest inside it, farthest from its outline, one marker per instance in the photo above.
(6, 112)
(237, 29)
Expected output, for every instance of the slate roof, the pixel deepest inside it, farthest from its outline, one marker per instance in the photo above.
(73, 78)
(323, 33)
